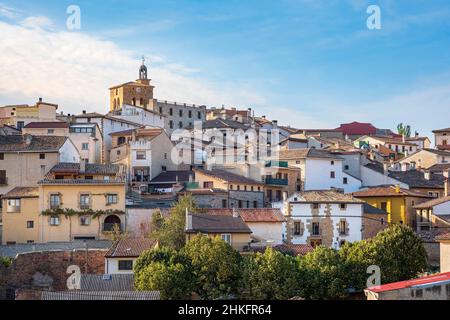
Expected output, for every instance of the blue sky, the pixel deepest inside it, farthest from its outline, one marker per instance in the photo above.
(307, 63)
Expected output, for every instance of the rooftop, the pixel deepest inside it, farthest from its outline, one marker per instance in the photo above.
(416, 179)
(22, 192)
(307, 153)
(173, 176)
(432, 203)
(130, 247)
(100, 295)
(28, 143)
(222, 124)
(110, 282)
(428, 280)
(388, 191)
(228, 176)
(204, 223)
(357, 128)
(324, 196)
(45, 125)
(91, 168)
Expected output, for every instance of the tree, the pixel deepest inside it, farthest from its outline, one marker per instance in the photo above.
(171, 233)
(216, 266)
(404, 130)
(271, 275)
(322, 275)
(166, 271)
(5, 261)
(399, 253)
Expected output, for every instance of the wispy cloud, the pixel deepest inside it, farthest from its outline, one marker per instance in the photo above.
(8, 12)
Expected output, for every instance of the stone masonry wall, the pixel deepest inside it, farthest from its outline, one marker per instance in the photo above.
(47, 270)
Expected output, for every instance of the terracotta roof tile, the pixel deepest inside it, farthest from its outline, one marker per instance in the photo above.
(16, 143)
(388, 191)
(205, 223)
(324, 196)
(252, 215)
(227, 176)
(22, 192)
(44, 125)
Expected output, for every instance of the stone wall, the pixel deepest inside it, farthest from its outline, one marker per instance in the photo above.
(245, 196)
(433, 252)
(47, 270)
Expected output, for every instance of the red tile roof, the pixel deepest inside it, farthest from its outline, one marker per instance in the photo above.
(251, 215)
(356, 128)
(445, 236)
(412, 283)
(388, 191)
(45, 125)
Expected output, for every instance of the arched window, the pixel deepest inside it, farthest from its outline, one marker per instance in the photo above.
(112, 222)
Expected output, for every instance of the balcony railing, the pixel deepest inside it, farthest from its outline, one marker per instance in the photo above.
(277, 182)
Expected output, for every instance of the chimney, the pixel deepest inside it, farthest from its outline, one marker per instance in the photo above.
(446, 182)
(40, 99)
(264, 117)
(188, 220)
(235, 213)
(84, 111)
(427, 174)
(397, 188)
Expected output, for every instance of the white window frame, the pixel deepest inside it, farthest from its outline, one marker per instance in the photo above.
(226, 237)
(13, 205)
(54, 221)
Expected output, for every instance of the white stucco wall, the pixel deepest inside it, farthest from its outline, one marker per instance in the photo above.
(112, 266)
(69, 153)
(352, 214)
(267, 231)
(372, 178)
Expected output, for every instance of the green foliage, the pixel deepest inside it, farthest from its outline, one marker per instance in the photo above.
(66, 212)
(171, 233)
(397, 250)
(5, 261)
(166, 271)
(404, 130)
(322, 275)
(216, 266)
(269, 276)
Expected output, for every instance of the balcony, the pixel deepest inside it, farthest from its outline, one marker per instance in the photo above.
(277, 164)
(277, 182)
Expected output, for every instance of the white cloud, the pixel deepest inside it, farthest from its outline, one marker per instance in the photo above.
(8, 12)
(75, 70)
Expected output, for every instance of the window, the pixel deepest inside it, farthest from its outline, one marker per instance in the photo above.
(226, 237)
(199, 115)
(54, 220)
(316, 206)
(171, 111)
(125, 265)
(42, 156)
(384, 206)
(332, 162)
(30, 241)
(2, 156)
(85, 220)
(180, 112)
(30, 224)
(332, 174)
(297, 228)
(224, 203)
(85, 146)
(238, 187)
(315, 229)
(190, 114)
(84, 201)
(342, 227)
(171, 124)
(345, 180)
(50, 131)
(240, 204)
(248, 204)
(140, 155)
(343, 206)
(255, 204)
(112, 199)
(13, 205)
(55, 201)
(346, 167)
(180, 124)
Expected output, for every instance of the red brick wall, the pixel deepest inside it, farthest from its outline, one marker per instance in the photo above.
(52, 264)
